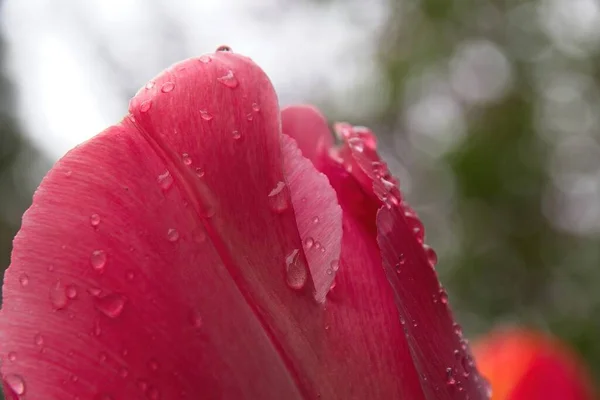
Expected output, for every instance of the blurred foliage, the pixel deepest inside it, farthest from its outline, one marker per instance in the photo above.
(514, 259)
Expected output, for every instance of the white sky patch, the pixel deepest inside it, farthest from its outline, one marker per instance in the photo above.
(70, 60)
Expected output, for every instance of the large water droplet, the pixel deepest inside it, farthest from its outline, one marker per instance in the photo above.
(335, 265)
(206, 115)
(16, 383)
(225, 48)
(24, 280)
(95, 220)
(278, 198)
(58, 297)
(173, 235)
(443, 296)
(165, 180)
(295, 270)
(98, 260)
(146, 105)
(229, 80)
(111, 305)
(167, 87)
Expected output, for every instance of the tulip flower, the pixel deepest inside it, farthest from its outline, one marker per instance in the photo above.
(526, 365)
(211, 246)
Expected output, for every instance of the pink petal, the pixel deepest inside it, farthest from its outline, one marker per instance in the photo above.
(155, 261)
(309, 128)
(318, 215)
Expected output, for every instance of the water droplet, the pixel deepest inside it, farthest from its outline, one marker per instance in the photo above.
(71, 291)
(130, 275)
(98, 260)
(431, 255)
(165, 180)
(315, 220)
(38, 339)
(295, 270)
(24, 280)
(229, 80)
(149, 85)
(335, 265)
(58, 297)
(206, 115)
(255, 107)
(199, 172)
(318, 245)
(278, 198)
(205, 59)
(153, 393)
(186, 159)
(225, 48)
(322, 249)
(236, 135)
(309, 242)
(15, 383)
(123, 372)
(450, 377)
(146, 105)
(94, 220)
(356, 144)
(443, 296)
(196, 319)
(167, 87)
(111, 305)
(329, 271)
(466, 364)
(249, 116)
(153, 365)
(457, 329)
(12, 356)
(417, 227)
(173, 235)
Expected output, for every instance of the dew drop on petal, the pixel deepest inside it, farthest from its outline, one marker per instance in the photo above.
(149, 85)
(417, 227)
(205, 59)
(12, 356)
(146, 105)
(295, 270)
(15, 383)
(165, 180)
(431, 255)
(335, 265)
(98, 260)
(173, 235)
(278, 198)
(236, 134)
(111, 305)
(167, 87)
(315, 220)
(38, 339)
(229, 80)
(309, 242)
(199, 172)
(186, 159)
(24, 280)
(58, 297)
(224, 48)
(206, 115)
(95, 220)
(255, 107)
(450, 377)
(443, 296)
(249, 116)
(71, 292)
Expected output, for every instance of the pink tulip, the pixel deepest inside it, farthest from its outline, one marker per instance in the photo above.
(194, 251)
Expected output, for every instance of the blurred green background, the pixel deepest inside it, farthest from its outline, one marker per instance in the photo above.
(488, 112)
